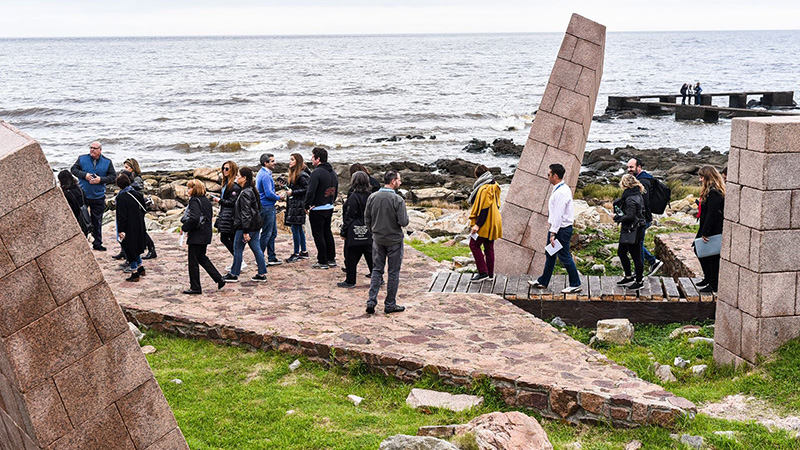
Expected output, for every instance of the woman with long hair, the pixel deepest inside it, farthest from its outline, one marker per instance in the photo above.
(196, 222)
(74, 195)
(711, 212)
(358, 167)
(247, 222)
(227, 201)
(295, 215)
(629, 213)
(486, 224)
(130, 226)
(357, 237)
(134, 172)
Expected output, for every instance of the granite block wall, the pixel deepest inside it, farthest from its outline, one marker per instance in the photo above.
(71, 374)
(558, 135)
(758, 304)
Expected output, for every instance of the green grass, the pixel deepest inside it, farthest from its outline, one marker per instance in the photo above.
(439, 251)
(232, 398)
(612, 191)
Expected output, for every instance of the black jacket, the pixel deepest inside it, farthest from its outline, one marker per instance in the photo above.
(227, 202)
(632, 206)
(711, 214)
(373, 184)
(247, 210)
(647, 181)
(197, 221)
(352, 217)
(130, 220)
(74, 195)
(296, 203)
(323, 187)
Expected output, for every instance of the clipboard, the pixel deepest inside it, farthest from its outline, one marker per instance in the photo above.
(552, 249)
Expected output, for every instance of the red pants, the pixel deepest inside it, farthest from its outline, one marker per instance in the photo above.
(485, 265)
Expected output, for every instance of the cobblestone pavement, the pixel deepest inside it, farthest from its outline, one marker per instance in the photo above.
(459, 336)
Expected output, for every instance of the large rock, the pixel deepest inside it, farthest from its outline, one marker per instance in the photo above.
(507, 431)
(405, 442)
(618, 331)
(452, 223)
(418, 220)
(475, 146)
(435, 399)
(434, 194)
(208, 174)
(507, 147)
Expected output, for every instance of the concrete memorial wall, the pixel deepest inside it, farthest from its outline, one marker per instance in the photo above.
(72, 375)
(558, 135)
(758, 303)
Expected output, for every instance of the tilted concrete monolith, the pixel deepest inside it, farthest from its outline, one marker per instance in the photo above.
(758, 303)
(558, 135)
(72, 375)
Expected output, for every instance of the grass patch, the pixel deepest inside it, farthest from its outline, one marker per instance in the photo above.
(679, 191)
(599, 191)
(439, 251)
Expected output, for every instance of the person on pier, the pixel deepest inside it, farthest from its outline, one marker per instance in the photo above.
(697, 91)
(295, 215)
(247, 222)
(690, 93)
(684, 90)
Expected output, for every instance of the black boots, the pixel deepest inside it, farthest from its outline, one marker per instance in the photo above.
(151, 254)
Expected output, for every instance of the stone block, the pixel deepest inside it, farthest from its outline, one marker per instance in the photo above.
(774, 134)
(725, 250)
(573, 140)
(24, 298)
(584, 28)
(733, 193)
(775, 331)
(102, 377)
(146, 414)
(556, 156)
(104, 431)
(738, 136)
(536, 232)
(778, 294)
(11, 139)
(516, 259)
(549, 98)
(740, 245)
(733, 165)
(547, 128)
(765, 210)
(532, 155)
(47, 416)
(587, 54)
(52, 343)
(6, 264)
(587, 84)
(174, 440)
(779, 171)
(70, 269)
(750, 336)
(572, 106)
(563, 402)
(592, 402)
(565, 74)
(14, 434)
(724, 357)
(9, 397)
(728, 283)
(104, 311)
(38, 177)
(756, 136)
(537, 265)
(777, 252)
(749, 291)
(515, 222)
(728, 329)
(795, 213)
(528, 191)
(756, 241)
(38, 226)
(567, 47)
(752, 169)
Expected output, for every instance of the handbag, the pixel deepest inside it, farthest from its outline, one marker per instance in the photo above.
(84, 218)
(711, 248)
(628, 236)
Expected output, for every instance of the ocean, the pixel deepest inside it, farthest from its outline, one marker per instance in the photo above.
(180, 103)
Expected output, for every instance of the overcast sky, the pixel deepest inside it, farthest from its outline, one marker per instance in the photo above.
(62, 18)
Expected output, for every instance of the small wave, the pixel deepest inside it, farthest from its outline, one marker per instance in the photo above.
(161, 119)
(37, 111)
(210, 147)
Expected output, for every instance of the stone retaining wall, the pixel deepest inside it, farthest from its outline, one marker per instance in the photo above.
(675, 250)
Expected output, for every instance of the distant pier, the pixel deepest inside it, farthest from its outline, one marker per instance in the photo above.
(737, 105)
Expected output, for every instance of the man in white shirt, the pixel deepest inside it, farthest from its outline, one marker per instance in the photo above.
(560, 217)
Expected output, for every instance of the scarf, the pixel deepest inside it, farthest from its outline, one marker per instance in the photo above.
(486, 178)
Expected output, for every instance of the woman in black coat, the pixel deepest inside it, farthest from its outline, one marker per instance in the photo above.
(357, 237)
(74, 196)
(227, 201)
(130, 226)
(197, 224)
(712, 206)
(629, 213)
(295, 215)
(247, 222)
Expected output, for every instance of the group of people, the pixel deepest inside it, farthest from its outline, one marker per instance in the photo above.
(691, 92)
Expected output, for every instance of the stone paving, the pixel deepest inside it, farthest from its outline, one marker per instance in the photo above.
(458, 336)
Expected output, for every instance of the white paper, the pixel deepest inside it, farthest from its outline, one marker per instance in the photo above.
(474, 236)
(180, 241)
(553, 249)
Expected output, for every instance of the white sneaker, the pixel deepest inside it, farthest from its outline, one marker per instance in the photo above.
(536, 285)
(228, 268)
(571, 290)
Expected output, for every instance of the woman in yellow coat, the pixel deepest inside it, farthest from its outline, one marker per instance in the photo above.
(485, 222)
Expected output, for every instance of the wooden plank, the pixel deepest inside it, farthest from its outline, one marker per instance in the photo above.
(534, 293)
(486, 286)
(439, 282)
(607, 285)
(463, 282)
(557, 284)
(474, 287)
(595, 290)
(583, 294)
(452, 282)
(511, 287)
(704, 296)
(670, 289)
(523, 287)
(499, 286)
(656, 290)
(620, 292)
(643, 294)
(687, 288)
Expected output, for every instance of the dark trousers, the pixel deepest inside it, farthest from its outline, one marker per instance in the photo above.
(380, 253)
(320, 222)
(96, 209)
(635, 250)
(351, 258)
(485, 265)
(151, 246)
(197, 258)
(227, 240)
(564, 235)
(710, 265)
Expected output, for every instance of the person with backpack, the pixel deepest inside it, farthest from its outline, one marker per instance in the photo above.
(656, 196)
(629, 213)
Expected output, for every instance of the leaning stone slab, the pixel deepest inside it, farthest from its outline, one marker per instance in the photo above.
(507, 431)
(424, 397)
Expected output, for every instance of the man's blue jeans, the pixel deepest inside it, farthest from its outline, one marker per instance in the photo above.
(299, 238)
(646, 256)
(268, 232)
(563, 236)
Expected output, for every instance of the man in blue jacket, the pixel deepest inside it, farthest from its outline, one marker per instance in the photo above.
(94, 171)
(636, 169)
(266, 191)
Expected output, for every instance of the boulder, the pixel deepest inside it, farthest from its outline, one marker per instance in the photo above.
(686, 329)
(420, 236)
(418, 220)
(506, 147)
(698, 339)
(475, 146)
(207, 174)
(435, 399)
(699, 370)
(434, 194)
(599, 268)
(680, 362)
(462, 261)
(405, 442)
(507, 431)
(136, 333)
(452, 223)
(439, 431)
(664, 373)
(618, 331)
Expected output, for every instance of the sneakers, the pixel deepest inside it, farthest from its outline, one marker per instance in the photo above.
(393, 309)
(261, 278)
(370, 308)
(192, 292)
(303, 255)
(228, 278)
(655, 267)
(332, 263)
(571, 290)
(344, 284)
(636, 286)
(706, 290)
(536, 284)
(702, 283)
(127, 269)
(319, 266)
(625, 281)
(479, 277)
(294, 258)
(275, 262)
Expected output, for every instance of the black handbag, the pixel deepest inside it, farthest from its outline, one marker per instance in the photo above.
(628, 236)
(85, 220)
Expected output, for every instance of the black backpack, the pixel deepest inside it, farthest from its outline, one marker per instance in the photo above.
(659, 196)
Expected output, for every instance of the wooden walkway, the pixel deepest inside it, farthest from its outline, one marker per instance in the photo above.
(661, 300)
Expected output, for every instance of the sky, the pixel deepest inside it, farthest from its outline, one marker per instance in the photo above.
(92, 18)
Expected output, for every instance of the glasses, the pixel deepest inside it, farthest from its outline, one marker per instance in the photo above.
(94, 148)
(225, 169)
